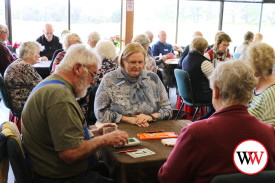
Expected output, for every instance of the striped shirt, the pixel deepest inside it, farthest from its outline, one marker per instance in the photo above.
(262, 105)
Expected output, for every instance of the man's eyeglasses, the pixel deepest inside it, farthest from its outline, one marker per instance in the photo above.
(92, 74)
(6, 32)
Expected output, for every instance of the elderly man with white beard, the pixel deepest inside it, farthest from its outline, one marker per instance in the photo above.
(55, 133)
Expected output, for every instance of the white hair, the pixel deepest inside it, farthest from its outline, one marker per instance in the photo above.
(28, 50)
(235, 81)
(149, 34)
(106, 49)
(142, 39)
(94, 36)
(77, 53)
(68, 38)
(3, 28)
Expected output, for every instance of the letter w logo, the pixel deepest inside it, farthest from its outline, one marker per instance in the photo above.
(247, 159)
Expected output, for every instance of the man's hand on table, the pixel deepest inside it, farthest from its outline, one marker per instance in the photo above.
(117, 138)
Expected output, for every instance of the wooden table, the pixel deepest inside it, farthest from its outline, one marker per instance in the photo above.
(126, 169)
(42, 68)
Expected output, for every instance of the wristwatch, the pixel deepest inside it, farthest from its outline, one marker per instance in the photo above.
(154, 119)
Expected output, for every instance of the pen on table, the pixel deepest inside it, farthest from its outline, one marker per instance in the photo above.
(154, 131)
(133, 150)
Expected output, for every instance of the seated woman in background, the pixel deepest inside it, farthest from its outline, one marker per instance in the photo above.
(131, 94)
(107, 52)
(70, 39)
(21, 77)
(261, 57)
(219, 52)
(204, 149)
(199, 69)
(248, 38)
(144, 40)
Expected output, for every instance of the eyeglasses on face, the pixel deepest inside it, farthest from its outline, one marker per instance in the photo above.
(5, 32)
(133, 63)
(92, 74)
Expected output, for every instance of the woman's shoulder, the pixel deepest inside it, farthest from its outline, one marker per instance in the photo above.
(112, 76)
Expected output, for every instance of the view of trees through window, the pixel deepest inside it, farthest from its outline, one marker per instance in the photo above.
(155, 16)
(30, 16)
(102, 16)
(194, 16)
(2, 12)
(239, 18)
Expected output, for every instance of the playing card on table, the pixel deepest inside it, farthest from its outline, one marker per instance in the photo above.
(141, 153)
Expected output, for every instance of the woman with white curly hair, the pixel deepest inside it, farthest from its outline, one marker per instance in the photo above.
(21, 77)
(261, 58)
(107, 51)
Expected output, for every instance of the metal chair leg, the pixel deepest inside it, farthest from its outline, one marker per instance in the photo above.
(179, 110)
(197, 109)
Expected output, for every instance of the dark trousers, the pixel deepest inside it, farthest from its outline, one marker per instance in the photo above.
(95, 175)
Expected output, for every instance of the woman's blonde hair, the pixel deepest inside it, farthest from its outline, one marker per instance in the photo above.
(261, 57)
(199, 44)
(68, 38)
(235, 81)
(130, 49)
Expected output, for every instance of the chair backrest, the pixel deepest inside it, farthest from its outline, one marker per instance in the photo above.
(267, 176)
(16, 155)
(54, 56)
(4, 93)
(184, 86)
(91, 114)
(236, 56)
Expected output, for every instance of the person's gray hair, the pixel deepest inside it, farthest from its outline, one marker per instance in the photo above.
(3, 28)
(94, 36)
(199, 44)
(77, 53)
(29, 49)
(68, 38)
(142, 39)
(149, 34)
(106, 49)
(235, 81)
(261, 57)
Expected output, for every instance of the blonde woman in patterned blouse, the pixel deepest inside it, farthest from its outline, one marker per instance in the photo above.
(131, 94)
(21, 77)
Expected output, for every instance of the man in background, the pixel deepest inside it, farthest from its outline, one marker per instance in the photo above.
(49, 41)
(162, 47)
(6, 57)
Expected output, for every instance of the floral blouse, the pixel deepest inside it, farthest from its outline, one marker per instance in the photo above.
(113, 98)
(20, 78)
(150, 64)
(106, 66)
(57, 60)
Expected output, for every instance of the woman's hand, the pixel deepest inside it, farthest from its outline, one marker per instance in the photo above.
(143, 119)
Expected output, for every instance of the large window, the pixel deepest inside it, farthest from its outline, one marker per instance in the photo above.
(200, 16)
(2, 12)
(268, 24)
(239, 18)
(92, 15)
(154, 16)
(30, 16)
